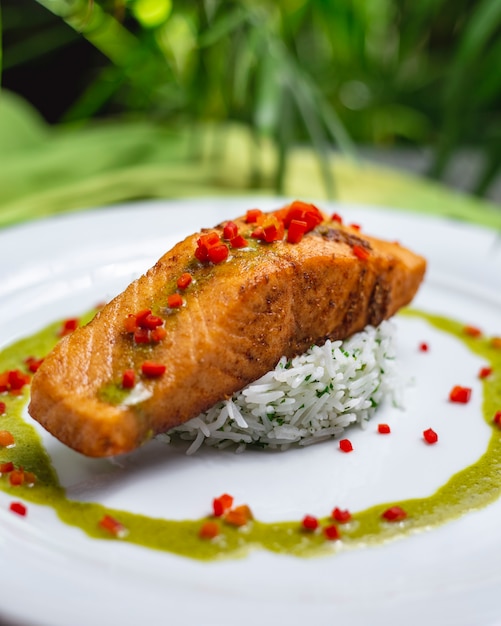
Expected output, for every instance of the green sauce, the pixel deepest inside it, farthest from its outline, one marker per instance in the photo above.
(473, 487)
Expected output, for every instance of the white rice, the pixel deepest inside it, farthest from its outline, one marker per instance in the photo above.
(308, 399)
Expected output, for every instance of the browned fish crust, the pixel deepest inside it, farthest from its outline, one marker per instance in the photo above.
(239, 317)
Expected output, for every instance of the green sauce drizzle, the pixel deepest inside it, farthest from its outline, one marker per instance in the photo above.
(473, 487)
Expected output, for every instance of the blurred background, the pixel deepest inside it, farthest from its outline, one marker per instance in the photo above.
(415, 85)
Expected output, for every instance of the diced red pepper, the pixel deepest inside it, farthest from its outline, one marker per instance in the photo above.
(201, 254)
(472, 331)
(209, 239)
(310, 522)
(19, 508)
(6, 439)
(33, 363)
(424, 347)
(496, 343)
(383, 429)
(209, 530)
(485, 372)
(297, 229)
(239, 242)
(130, 323)
(430, 436)
(356, 227)
(303, 212)
(239, 516)
(6, 467)
(341, 516)
(175, 301)
(128, 379)
(3, 408)
(222, 504)
(13, 381)
(184, 280)
(141, 316)
(497, 419)
(142, 335)
(335, 217)
(207, 243)
(394, 514)
(152, 321)
(332, 533)
(16, 477)
(113, 526)
(218, 254)
(361, 252)
(152, 369)
(230, 230)
(158, 334)
(345, 445)
(460, 394)
(68, 326)
(252, 215)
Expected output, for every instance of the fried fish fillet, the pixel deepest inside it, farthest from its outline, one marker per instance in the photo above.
(147, 363)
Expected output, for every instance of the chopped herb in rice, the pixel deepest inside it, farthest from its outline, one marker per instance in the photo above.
(308, 399)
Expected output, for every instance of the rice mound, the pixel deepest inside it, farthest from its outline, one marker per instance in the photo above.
(305, 400)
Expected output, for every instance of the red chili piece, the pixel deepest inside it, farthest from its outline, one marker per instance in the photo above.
(18, 508)
(239, 516)
(430, 436)
(230, 231)
(485, 372)
(239, 242)
(497, 419)
(383, 429)
(345, 445)
(158, 334)
(332, 533)
(152, 369)
(209, 530)
(16, 477)
(394, 514)
(128, 379)
(6, 439)
(33, 363)
(460, 394)
(297, 229)
(424, 347)
(356, 227)
(211, 248)
(222, 504)
(302, 211)
(335, 217)
(472, 331)
(68, 326)
(309, 522)
(13, 381)
(3, 408)
(252, 215)
(113, 526)
(341, 516)
(270, 228)
(184, 280)
(7, 467)
(360, 252)
(496, 343)
(175, 301)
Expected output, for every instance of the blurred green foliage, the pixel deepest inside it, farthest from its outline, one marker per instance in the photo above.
(324, 72)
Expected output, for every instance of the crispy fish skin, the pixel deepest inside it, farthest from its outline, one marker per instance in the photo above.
(238, 319)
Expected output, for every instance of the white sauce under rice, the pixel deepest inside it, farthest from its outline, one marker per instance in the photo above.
(305, 400)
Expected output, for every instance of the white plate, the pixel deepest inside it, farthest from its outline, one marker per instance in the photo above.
(54, 574)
